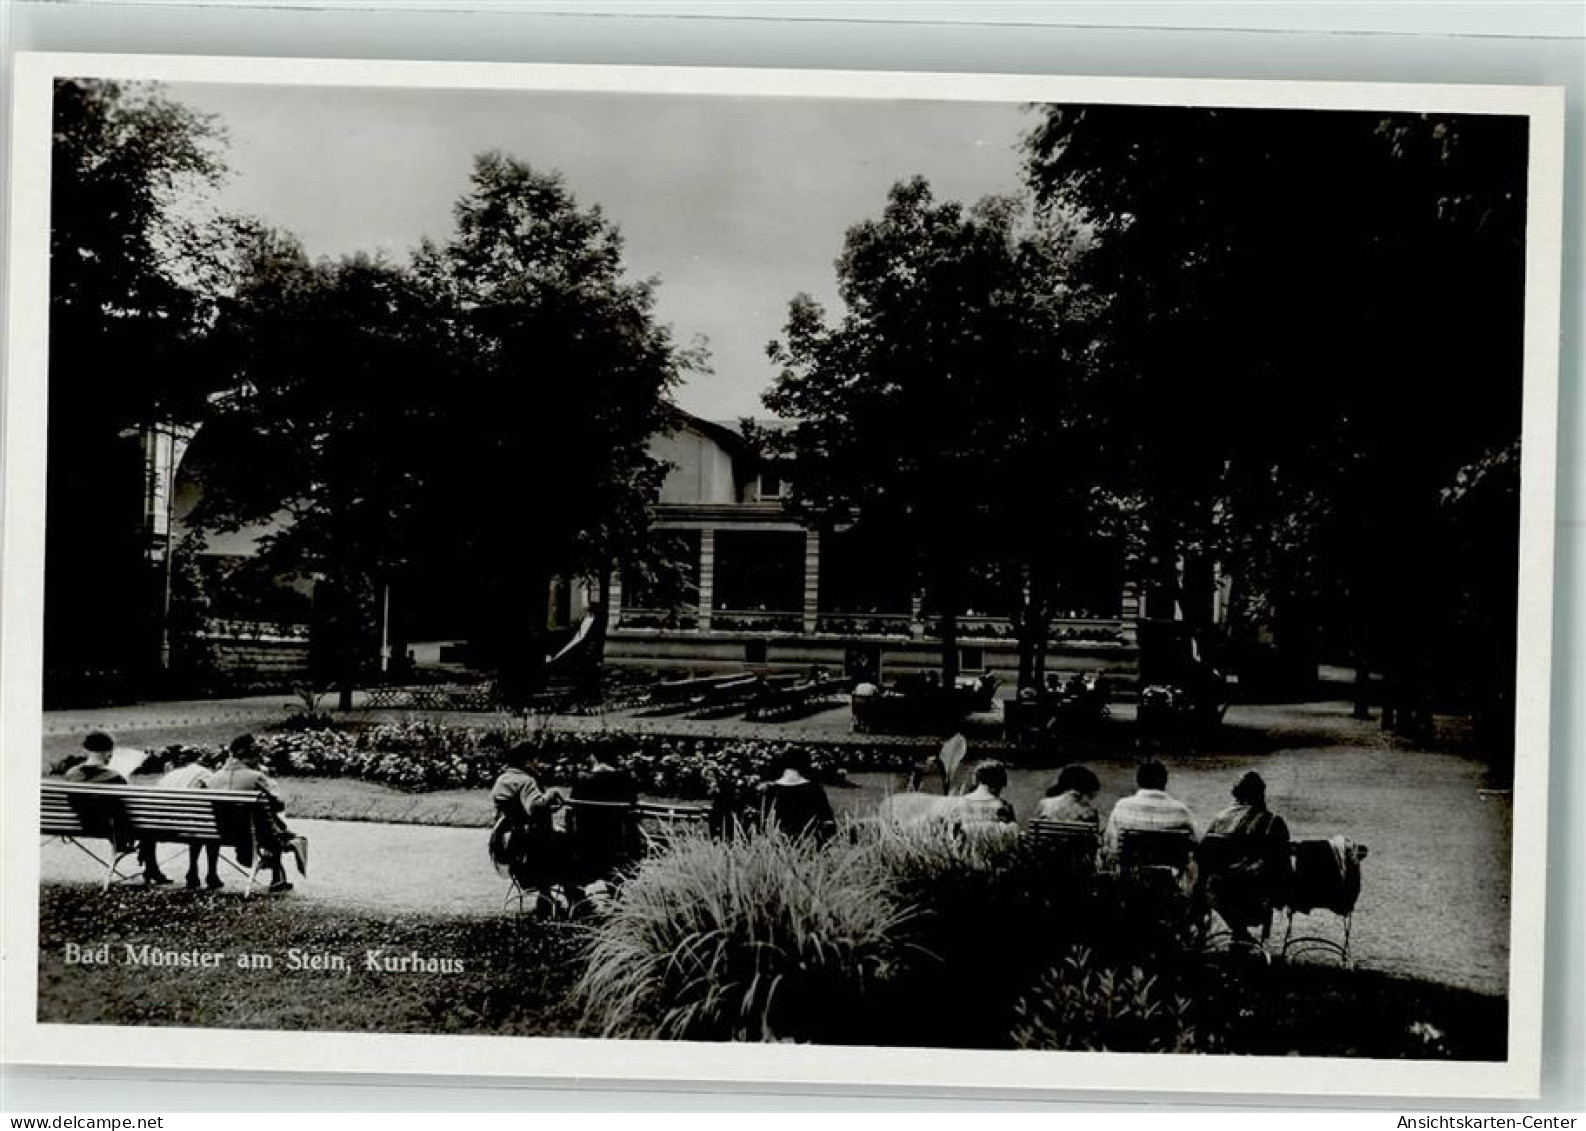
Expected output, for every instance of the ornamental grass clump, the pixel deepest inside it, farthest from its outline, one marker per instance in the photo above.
(758, 937)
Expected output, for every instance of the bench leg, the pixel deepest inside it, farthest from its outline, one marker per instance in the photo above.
(513, 892)
(113, 872)
(111, 866)
(81, 847)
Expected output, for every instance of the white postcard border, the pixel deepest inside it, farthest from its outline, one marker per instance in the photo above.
(590, 1061)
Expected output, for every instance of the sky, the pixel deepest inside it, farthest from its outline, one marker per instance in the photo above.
(734, 204)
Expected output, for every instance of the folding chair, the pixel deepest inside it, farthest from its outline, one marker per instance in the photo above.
(1326, 877)
(1067, 848)
(1236, 883)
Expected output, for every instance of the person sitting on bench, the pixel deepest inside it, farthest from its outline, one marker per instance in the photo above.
(241, 772)
(95, 769)
(187, 772)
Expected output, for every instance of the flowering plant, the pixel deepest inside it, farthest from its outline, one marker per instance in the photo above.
(423, 755)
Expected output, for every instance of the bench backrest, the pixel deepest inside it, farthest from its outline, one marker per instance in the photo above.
(120, 812)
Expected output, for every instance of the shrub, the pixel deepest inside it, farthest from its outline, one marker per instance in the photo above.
(989, 916)
(1082, 1004)
(759, 937)
(913, 935)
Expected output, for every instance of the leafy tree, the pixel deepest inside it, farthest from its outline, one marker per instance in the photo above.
(564, 377)
(1316, 319)
(129, 301)
(945, 413)
(462, 429)
(325, 431)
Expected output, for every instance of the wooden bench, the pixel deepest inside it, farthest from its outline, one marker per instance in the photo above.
(125, 815)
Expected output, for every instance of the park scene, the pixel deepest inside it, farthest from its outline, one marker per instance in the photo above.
(747, 569)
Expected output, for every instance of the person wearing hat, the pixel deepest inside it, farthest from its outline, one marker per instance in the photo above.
(95, 769)
(240, 771)
(795, 802)
(1253, 849)
(94, 764)
(524, 843)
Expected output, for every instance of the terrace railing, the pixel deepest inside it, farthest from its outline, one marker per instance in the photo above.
(236, 628)
(755, 620)
(684, 618)
(864, 624)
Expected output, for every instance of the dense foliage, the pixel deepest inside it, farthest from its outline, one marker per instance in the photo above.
(381, 407)
(947, 413)
(128, 309)
(1314, 321)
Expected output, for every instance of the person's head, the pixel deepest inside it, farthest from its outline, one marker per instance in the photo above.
(98, 747)
(1075, 779)
(1250, 789)
(519, 756)
(992, 775)
(1151, 775)
(795, 760)
(244, 749)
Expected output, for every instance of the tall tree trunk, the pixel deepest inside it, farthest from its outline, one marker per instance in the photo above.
(340, 637)
(509, 606)
(1362, 688)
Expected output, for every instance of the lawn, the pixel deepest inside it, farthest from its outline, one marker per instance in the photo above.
(516, 976)
(514, 979)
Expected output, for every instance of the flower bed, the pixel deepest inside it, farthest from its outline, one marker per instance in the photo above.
(419, 756)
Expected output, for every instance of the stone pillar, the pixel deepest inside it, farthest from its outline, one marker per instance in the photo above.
(614, 599)
(812, 580)
(707, 576)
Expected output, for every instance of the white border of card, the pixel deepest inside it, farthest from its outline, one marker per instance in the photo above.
(589, 1060)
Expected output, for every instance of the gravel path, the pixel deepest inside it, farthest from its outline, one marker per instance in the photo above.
(1434, 899)
(421, 869)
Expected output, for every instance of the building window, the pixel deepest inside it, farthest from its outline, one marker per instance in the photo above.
(771, 485)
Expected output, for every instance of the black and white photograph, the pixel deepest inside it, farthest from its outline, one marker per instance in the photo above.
(603, 559)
